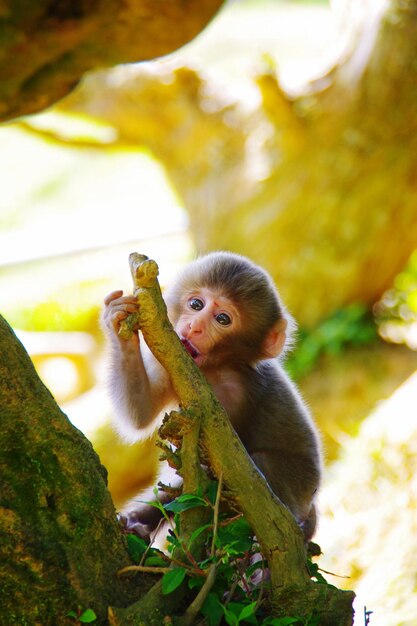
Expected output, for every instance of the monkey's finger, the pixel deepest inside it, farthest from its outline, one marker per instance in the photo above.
(118, 317)
(127, 307)
(112, 296)
(123, 301)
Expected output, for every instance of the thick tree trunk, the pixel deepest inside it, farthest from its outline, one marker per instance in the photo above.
(337, 209)
(61, 545)
(45, 47)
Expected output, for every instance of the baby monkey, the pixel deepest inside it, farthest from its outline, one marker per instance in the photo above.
(230, 319)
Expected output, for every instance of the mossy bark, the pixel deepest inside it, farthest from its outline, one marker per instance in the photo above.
(46, 47)
(61, 545)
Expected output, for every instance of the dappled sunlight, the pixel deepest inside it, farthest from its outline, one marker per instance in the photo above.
(368, 524)
(214, 147)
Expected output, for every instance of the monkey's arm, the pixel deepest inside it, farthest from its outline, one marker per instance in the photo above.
(139, 386)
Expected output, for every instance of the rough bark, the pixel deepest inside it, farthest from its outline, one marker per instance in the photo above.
(46, 46)
(60, 545)
(293, 592)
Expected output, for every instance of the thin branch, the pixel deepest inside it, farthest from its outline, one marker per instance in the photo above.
(216, 514)
(143, 568)
(80, 144)
(195, 606)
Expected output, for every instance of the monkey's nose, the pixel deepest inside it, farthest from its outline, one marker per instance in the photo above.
(196, 327)
(195, 330)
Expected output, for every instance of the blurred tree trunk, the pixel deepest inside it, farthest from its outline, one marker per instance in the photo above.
(61, 545)
(334, 205)
(45, 47)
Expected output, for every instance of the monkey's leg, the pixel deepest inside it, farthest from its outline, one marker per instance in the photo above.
(293, 479)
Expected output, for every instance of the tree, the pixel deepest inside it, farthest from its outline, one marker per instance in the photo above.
(335, 207)
(46, 46)
(63, 547)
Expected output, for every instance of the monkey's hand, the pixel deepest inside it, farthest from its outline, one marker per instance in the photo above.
(118, 309)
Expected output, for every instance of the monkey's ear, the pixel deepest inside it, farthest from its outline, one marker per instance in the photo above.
(275, 340)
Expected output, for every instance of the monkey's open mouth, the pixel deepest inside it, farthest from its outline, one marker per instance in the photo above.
(190, 348)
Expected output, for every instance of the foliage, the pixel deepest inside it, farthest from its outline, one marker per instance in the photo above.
(83, 617)
(73, 308)
(238, 593)
(400, 302)
(351, 326)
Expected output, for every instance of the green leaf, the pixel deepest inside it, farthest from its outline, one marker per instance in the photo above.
(88, 617)
(212, 491)
(241, 612)
(236, 537)
(73, 614)
(197, 533)
(230, 617)
(136, 547)
(184, 503)
(155, 561)
(172, 579)
(195, 582)
(212, 610)
(247, 611)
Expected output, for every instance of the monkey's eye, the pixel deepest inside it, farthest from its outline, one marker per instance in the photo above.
(196, 304)
(223, 319)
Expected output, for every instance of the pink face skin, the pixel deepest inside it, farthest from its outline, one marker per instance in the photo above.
(206, 319)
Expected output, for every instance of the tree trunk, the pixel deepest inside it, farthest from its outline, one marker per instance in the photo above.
(337, 208)
(46, 47)
(61, 545)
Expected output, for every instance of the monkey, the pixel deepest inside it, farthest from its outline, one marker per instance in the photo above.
(230, 318)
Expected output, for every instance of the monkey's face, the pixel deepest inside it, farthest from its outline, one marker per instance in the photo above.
(207, 319)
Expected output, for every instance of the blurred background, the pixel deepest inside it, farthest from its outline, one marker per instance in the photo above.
(286, 132)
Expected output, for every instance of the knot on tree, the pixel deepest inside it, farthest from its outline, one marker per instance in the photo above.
(144, 273)
(144, 270)
(176, 424)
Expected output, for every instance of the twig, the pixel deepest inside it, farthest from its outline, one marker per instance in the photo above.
(149, 546)
(216, 514)
(150, 569)
(332, 574)
(195, 606)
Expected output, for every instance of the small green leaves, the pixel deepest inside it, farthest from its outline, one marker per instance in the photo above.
(86, 617)
(235, 613)
(173, 579)
(184, 503)
(236, 594)
(212, 610)
(136, 547)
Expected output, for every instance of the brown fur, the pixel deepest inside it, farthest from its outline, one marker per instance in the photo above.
(240, 362)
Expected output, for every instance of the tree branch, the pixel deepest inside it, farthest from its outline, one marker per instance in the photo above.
(279, 536)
